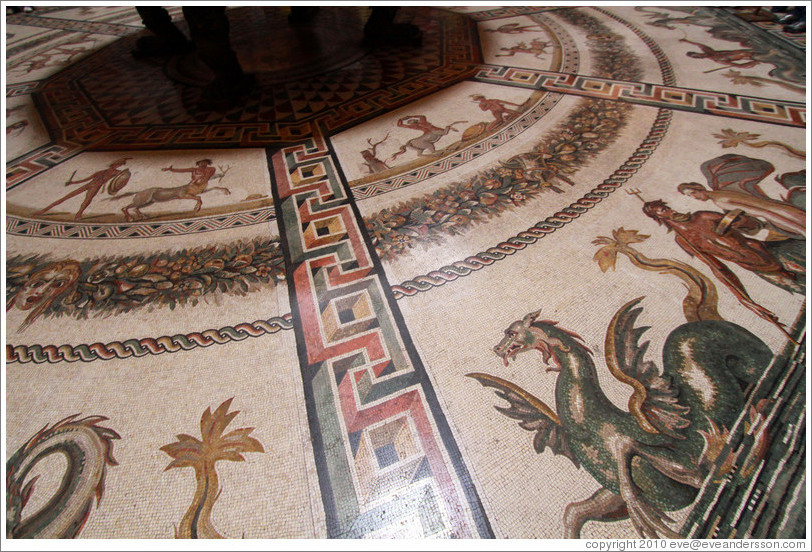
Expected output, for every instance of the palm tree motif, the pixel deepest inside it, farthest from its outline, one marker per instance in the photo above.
(202, 454)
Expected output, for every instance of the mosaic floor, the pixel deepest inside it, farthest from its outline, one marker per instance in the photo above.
(540, 277)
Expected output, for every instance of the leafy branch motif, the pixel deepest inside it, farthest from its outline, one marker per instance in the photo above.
(729, 138)
(736, 77)
(454, 209)
(202, 455)
(105, 286)
(701, 302)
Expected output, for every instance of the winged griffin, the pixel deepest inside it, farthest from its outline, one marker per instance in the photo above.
(655, 457)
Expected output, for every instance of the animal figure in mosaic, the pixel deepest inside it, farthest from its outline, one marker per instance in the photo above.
(514, 28)
(201, 174)
(786, 66)
(202, 455)
(662, 19)
(537, 48)
(370, 155)
(88, 449)
(424, 143)
(43, 60)
(653, 458)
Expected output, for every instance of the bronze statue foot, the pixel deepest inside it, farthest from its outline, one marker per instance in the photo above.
(395, 34)
(152, 46)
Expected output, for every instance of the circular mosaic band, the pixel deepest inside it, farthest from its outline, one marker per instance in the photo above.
(549, 225)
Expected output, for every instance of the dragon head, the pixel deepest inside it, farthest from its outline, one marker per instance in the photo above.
(530, 333)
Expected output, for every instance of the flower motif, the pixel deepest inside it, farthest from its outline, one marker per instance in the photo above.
(590, 128)
(102, 292)
(403, 239)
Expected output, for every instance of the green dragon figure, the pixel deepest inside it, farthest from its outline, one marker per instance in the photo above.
(655, 457)
(88, 449)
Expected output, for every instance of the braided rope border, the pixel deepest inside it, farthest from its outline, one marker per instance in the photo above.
(146, 346)
(459, 269)
(544, 228)
(141, 347)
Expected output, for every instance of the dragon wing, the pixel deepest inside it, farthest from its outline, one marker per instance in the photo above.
(738, 173)
(654, 402)
(533, 415)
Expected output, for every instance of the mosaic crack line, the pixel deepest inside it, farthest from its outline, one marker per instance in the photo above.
(364, 382)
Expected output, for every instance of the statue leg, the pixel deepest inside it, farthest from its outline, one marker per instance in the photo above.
(209, 28)
(604, 505)
(167, 39)
(300, 15)
(381, 30)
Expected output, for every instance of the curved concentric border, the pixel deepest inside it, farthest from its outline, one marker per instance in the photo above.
(549, 225)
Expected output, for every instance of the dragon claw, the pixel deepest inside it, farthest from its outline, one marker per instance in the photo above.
(649, 520)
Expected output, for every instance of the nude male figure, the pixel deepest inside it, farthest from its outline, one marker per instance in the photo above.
(94, 183)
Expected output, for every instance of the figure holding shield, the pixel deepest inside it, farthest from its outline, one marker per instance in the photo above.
(93, 184)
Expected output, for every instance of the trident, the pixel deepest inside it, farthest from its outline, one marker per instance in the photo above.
(636, 192)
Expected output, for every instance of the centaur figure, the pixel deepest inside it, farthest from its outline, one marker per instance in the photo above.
(202, 173)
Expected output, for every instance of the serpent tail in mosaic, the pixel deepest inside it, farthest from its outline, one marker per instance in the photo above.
(88, 449)
(655, 457)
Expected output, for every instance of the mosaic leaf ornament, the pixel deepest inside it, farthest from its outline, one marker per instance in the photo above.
(106, 286)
